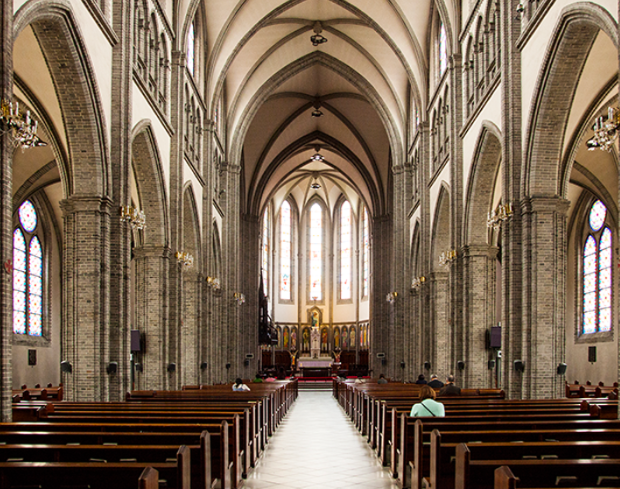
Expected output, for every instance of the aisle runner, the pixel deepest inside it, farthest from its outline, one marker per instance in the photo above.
(316, 446)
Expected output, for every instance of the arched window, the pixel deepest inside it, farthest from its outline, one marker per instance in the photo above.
(27, 273)
(365, 254)
(442, 50)
(285, 251)
(345, 250)
(266, 249)
(316, 252)
(191, 46)
(597, 272)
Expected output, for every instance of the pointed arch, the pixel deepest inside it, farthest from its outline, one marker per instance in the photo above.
(441, 234)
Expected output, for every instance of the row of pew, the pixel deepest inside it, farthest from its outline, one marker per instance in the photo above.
(189, 439)
(570, 442)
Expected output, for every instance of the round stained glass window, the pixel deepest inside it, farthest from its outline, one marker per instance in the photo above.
(28, 216)
(597, 215)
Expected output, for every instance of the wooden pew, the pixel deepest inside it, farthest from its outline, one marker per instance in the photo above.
(534, 473)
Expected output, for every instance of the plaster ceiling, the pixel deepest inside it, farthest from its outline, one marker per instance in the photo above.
(262, 59)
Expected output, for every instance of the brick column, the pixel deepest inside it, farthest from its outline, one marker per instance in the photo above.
(440, 333)
(379, 287)
(399, 266)
(544, 296)
(189, 355)
(479, 263)
(6, 211)
(85, 336)
(151, 315)
(250, 258)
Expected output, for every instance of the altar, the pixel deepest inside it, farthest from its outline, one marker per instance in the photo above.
(312, 367)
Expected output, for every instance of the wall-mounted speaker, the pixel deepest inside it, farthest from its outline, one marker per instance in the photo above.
(460, 365)
(135, 341)
(427, 365)
(519, 365)
(171, 367)
(402, 365)
(112, 367)
(139, 367)
(228, 366)
(592, 354)
(491, 364)
(380, 355)
(561, 368)
(66, 367)
(203, 366)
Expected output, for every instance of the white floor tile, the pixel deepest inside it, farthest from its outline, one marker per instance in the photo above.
(317, 446)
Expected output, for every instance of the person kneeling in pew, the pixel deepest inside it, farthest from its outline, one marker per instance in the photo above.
(427, 406)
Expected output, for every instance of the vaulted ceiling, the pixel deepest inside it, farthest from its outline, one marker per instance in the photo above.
(262, 59)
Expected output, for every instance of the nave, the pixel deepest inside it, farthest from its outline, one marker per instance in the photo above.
(317, 446)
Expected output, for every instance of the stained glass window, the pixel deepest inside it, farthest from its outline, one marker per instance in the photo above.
(443, 50)
(27, 274)
(191, 44)
(316, 252)
(365, 254)
(345, 250)
(597, 272)
(265, 250)
(285, 251)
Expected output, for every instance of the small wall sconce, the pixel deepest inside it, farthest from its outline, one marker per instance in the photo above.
(134, 217)
(66, 367)
(185, 259)
(239, 297)
(460, 365)
(171, 367)
(500, 214)
(391, 297)
(417, 282)
(214, 283)
(447, 257)
(427, 365)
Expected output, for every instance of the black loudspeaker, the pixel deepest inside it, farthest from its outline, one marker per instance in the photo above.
(112, 367)
(228, 366)
(491, 364)
(592, 354)
(203, 366)
(139, 367)
(402, 365)
(495, 338)
(519, 365)
(135, 340)
(66, 367)
(32, 357)
(172, 367)
(561, 368)
(461, 365)
(427, 365)
(246, 363)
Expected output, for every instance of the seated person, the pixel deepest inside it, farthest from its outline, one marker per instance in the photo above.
(382, 379)
(421, 379)
(258, 378)
(270, 378)
(427, 406)
(239, 385)
(435, 383)
(450, 389)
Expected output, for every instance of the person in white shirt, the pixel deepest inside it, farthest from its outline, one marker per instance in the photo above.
(428, 406)
(240, 386)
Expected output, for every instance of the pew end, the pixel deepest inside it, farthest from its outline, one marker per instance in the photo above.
(149, 479)
(504, 478)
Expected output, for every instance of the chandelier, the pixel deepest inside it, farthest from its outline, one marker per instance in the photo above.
(391, 297)
(214, 283)
(186, 260)
(239, 298)
(24, 130)
(447, 257)
(605, 131)
(500, 214)
(417, 282)
(317, 38)
(134, 217)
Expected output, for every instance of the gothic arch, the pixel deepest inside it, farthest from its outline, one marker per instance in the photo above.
(57, 32)
(575, 32)
(441, 234)
(482, 177)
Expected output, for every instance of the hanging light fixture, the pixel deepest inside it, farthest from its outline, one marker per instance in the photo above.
(605, 131)
(317, 38)
(23, 129)
(134, 217)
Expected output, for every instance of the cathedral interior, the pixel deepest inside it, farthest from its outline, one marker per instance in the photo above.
(432, 184)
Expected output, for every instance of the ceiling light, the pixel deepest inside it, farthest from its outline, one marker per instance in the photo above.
(315, 185)
(318, 39)
(317, 157)
(317, 113)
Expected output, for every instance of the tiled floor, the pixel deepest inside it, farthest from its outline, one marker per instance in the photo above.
(317, 446)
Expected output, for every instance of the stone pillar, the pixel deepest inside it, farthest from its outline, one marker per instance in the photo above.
(478, 313)
(544, 296)
(151, 315)
(440, 333)
(6, 211)
(512, 278)
(120, 234)
(399, 266)
(85, 336)
(379, 287)
(250, 258)
(189, 354)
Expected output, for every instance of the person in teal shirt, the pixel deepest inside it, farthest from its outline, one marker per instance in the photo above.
(428, 406)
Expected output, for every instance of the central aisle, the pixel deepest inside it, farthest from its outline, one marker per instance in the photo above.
(317, 446)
